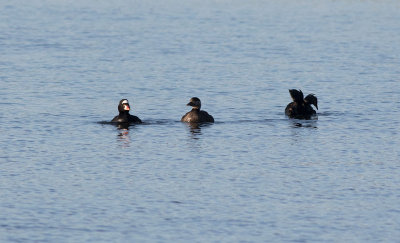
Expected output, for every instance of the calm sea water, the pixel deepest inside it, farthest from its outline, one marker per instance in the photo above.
(253, 176)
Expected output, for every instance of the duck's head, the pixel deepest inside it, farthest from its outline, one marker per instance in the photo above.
(312, 99)
(123, 106)
(195, 103)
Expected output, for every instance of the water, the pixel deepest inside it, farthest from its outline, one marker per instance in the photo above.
(254, 175)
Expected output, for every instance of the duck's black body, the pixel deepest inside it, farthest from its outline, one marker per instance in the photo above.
(301, 107)
(124, 116)
(196, 115)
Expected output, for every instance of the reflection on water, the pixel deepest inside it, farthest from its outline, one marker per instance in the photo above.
(195, 129)
(123, 135)
(123, 126)
(297, 134)
(295, 123)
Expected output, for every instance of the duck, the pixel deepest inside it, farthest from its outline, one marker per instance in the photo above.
(124, 116)
(196, 115)
(301, 107)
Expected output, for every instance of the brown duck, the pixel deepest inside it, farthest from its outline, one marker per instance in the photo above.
(196, 115)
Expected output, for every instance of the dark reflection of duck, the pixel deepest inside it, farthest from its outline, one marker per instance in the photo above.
(122, 126)
(196, 115)
(194, 127)
(195, 130)
(123, 137)
(124, 117)
(301, 107)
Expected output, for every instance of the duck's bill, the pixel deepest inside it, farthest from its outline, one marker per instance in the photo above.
(126, 107)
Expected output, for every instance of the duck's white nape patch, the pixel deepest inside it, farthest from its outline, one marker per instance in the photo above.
(125, 102)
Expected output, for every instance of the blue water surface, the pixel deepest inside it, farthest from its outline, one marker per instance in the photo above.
(66, 175)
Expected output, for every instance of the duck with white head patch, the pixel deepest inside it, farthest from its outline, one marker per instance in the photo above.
(196, 115)
(124, 116)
